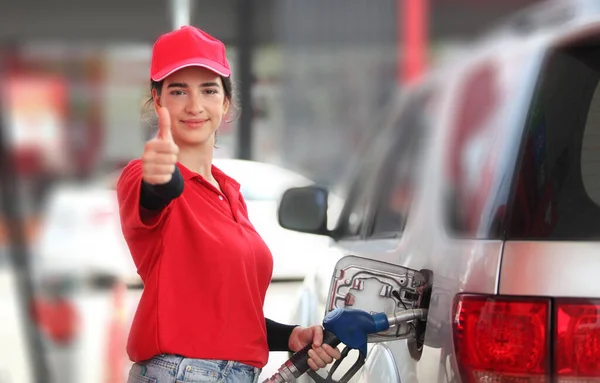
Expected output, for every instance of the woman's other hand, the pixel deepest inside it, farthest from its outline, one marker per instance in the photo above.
(321, 354)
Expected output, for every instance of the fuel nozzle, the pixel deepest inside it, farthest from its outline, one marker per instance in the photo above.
(350, 327)
(406, 316)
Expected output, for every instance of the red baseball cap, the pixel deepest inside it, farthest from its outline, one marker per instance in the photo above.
(184, 47)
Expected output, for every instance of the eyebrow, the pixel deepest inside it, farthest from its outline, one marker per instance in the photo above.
(184, 85)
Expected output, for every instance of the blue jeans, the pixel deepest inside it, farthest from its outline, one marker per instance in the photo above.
(177, 369)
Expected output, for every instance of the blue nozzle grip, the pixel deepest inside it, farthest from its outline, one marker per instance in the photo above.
(381, 322)
(352, 326)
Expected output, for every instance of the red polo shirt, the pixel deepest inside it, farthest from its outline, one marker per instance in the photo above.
(205, 272)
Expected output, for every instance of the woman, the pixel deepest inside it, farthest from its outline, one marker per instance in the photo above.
(204, 267)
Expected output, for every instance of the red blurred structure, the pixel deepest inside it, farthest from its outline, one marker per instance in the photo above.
(413, 25)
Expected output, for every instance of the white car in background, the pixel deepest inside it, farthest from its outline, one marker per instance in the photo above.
(81, 233)
(263, 185)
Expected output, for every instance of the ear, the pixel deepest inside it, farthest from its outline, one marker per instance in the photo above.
(226, 104)
(156, 98)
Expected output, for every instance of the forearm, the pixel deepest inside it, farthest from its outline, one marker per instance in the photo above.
(156, 197)
(278, 335)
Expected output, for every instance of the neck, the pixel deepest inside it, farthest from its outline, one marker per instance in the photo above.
(197, 158)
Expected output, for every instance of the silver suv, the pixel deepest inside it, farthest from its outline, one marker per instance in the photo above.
(479, 200)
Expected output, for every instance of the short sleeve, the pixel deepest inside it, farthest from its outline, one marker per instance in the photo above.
(140, 234)
(132, 215)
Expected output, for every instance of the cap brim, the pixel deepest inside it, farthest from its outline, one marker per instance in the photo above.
(200, 62)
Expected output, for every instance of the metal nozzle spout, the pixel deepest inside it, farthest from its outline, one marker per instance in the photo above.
(407, 316)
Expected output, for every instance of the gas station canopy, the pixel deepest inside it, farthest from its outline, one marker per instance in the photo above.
(141, 21)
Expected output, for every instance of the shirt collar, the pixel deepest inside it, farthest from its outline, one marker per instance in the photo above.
(222, 178)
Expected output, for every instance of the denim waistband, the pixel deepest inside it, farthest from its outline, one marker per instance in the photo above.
(171, 368)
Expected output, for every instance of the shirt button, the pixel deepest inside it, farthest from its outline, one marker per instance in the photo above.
(221, 197)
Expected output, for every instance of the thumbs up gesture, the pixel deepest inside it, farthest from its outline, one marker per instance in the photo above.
(160, 153)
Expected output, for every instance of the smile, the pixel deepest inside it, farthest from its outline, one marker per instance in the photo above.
(193, 123)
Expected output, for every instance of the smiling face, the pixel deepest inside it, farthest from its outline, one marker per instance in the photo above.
(196, 101)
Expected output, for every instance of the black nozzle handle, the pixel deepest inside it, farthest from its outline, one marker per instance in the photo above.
(300, 358)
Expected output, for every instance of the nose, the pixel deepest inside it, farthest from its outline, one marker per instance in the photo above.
(194, 105)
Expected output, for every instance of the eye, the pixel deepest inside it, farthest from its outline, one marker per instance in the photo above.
(177, 92)
(211, 91)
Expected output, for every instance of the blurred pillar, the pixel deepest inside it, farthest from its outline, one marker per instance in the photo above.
(180, 13)
(11, 212)
(245, 51)
(413, 26)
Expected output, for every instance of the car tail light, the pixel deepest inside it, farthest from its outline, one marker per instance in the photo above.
(57, 318)
(502, 339)
(577, 355)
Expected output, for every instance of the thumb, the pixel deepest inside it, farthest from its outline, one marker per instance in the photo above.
(164, 124)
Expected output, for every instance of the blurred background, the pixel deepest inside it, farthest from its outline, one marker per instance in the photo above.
(314, 79)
